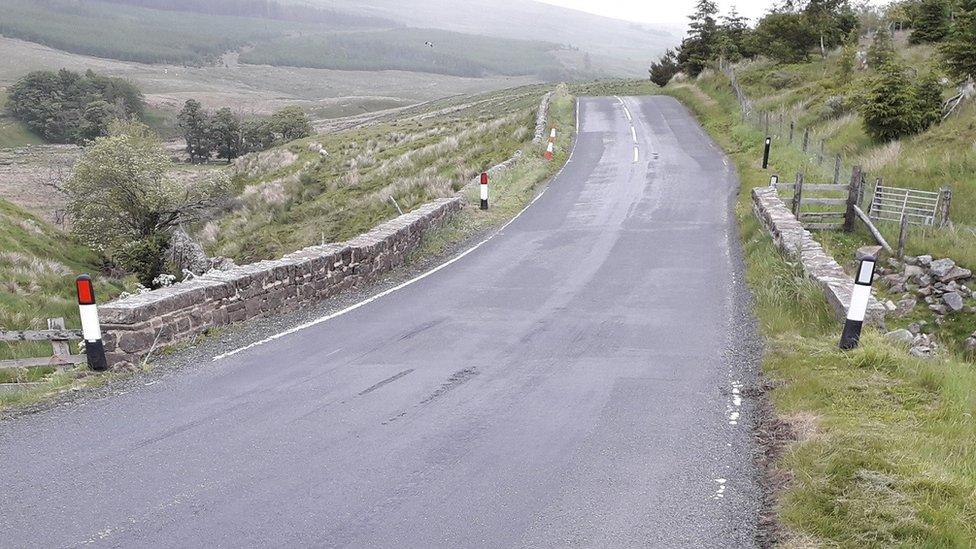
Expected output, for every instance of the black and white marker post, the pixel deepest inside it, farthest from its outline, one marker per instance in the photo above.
(859, 299)
(773, 180)
(484, 190)
(91, 329)
(769, 142)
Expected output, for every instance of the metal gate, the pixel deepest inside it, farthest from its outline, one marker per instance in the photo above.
(893, 203)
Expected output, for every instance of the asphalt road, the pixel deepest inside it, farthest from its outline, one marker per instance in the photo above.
(575, 381)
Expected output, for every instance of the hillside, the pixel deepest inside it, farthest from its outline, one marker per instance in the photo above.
(201, 33)
(621, 47)
(417, 50)
(823, 100)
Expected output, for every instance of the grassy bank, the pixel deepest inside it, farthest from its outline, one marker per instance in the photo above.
(332, 187)
(514, 188)
(38, 265)
(884, 451)
(822, 100)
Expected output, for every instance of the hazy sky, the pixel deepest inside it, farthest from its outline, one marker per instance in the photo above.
(669, 12)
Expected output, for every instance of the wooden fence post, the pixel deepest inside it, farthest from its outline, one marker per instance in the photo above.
(946, 202)
(820, 157)
(837, 170)
(902, 236)
(797, 195)
(792, 127)
(767, 122)
(60, 346)
(853, 191)
(806, 139)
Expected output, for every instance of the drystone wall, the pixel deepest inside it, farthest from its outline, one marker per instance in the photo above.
(136, 325)
(797, 243)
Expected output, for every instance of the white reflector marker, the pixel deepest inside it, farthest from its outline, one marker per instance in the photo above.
(91, 329)
(860, 296)
(484, 190)
(552, 135)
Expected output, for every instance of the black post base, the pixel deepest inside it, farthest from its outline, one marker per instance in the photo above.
(852, 335)
(95, 352)
(484, 204)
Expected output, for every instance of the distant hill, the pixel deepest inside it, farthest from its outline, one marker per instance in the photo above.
(266, 9)
(631, 45)
(200, 32)
(416, 50)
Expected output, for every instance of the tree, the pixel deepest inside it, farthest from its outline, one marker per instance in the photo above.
(700, 46)
(225, 131)
(194, 123)
(830, 21)
(928, 101)
(256, 135)
(889, 106)
(289, 124)
(882, 49)
(959, 49)
(123, 205)
(785, 37)
(664, 69)
(932, 22)
(67, 107)
(733, 33)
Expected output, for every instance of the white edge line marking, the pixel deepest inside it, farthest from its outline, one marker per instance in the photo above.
(636, 156)
(633, 133)
(417, 278)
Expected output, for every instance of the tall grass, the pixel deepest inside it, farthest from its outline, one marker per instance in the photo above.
(316, 198)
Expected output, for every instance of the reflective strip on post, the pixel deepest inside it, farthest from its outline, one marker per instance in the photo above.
(857, 310)
(91, 329)
(484, 190)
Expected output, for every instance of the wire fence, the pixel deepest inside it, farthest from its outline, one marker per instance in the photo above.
(783, 126)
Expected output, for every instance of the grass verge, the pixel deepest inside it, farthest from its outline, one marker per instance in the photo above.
(883, 449)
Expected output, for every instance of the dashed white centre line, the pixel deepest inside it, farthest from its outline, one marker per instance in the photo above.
(633, 133)
(636, 155)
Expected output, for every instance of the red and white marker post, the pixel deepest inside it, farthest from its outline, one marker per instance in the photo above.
(552, 135)
(91, 329)
(549, 149)
(484, 190)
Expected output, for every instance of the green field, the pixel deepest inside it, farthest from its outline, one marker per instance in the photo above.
(419, 50)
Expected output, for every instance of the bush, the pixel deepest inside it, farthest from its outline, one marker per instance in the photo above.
(833, 106)
(894, 108)
(662, 71)
(144, 257)
(123, 205)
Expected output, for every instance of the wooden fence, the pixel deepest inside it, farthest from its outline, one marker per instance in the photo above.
(61, 356)
(825, 206)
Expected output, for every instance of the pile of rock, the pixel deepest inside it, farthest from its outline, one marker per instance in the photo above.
(940, 283)
(919, 344)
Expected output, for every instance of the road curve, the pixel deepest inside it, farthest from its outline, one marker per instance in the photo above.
(575, 381)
